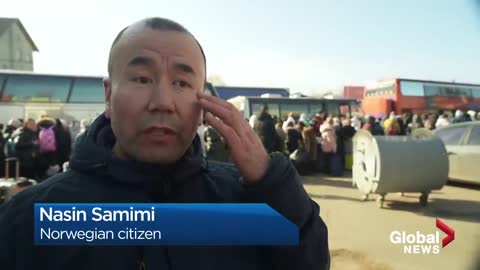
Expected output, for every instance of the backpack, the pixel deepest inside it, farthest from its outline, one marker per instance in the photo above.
(47, 140)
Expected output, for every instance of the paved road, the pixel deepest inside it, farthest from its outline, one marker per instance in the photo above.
(359, 232)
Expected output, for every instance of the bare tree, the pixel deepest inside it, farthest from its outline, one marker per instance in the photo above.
(216, 79)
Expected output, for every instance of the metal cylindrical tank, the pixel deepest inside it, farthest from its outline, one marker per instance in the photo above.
(386, 164)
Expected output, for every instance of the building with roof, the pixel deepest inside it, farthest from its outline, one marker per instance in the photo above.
(354, 92)
(16, 45)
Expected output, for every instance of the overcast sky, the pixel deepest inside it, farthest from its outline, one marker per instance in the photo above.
(308, 46)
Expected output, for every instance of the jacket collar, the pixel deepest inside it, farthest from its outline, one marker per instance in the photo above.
(93, 155)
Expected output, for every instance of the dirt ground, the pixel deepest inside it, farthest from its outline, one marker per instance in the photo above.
(359, 231)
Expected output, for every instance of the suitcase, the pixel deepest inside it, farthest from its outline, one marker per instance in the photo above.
(336, 165)
(11, 186)
(348, 161)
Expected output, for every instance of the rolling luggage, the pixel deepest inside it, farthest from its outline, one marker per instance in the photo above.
(348, 161)
(336, 165)
(11, 186)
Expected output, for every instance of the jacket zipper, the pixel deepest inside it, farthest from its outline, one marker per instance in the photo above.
(141, 263)
(166, 192)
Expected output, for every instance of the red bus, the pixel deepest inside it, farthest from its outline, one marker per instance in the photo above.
(417, 96)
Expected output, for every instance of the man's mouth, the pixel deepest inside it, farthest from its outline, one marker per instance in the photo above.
(159, 131)
(160, 134)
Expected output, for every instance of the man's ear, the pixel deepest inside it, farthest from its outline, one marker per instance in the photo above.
(107, 86)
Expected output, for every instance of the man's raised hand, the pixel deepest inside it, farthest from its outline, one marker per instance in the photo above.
(247, 150)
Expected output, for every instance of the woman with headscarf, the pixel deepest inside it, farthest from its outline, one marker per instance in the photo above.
(290, 119)
(391, 125)
(442, 121)
(329, 148)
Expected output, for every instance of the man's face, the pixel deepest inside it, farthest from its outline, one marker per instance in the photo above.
(151, 95)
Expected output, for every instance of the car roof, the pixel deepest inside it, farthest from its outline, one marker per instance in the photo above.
(463, 124)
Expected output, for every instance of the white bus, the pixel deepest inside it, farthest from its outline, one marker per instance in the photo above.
(70, 97)
(281, 106)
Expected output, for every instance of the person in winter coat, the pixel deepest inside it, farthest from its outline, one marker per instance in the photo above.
(373, 127)
(280, 137)
(310, 141)
(144, 148)
(64, 142)
(391, 125)
(356, 122)
(294, 139)
(290, 119)
(215, 147)
(442, 121)
(459, 117)
(12, 125)
(329, 139)
(402, 126)
(348, 133)
(47, 160)
(26, 148)
(265, 129)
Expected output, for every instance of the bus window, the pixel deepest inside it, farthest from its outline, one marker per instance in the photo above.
(37, 89)
(332, 108)
(345, 109)
(355, 108)
(273, 109)
(297, 109)
(315, 108)
(2, 80)
(87, 90)
(476, 92)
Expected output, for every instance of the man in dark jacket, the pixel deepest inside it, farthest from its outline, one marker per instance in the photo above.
(26, 148)
(64, 142)
(293, 140)
(265, 129)
(215, 148)
(144, 148)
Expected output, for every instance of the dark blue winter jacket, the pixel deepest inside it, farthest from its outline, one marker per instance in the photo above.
(95, 175)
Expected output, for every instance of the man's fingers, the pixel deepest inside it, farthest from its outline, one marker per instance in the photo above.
(228, 116)
(215, 100)
(226, 131)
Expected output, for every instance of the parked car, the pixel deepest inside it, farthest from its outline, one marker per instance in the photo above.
(462, 141)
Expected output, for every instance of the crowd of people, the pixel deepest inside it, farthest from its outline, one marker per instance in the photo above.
(407, 122)
(323, 142)
(320, 143)
(42, 147)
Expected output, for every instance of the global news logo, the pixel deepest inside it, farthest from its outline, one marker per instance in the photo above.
(421, 243)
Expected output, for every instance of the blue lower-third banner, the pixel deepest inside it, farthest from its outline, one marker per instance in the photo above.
(161, 224)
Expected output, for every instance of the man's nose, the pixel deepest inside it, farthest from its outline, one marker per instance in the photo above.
(162, 98)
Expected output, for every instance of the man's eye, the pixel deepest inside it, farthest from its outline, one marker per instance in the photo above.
(181, 84)
(142, 80)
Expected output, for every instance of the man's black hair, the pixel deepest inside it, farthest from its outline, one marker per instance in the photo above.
(160, 24)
